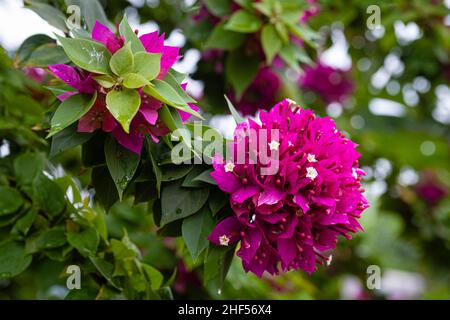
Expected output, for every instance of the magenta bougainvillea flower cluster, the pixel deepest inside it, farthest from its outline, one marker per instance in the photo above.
(290, 219)
(146, 119)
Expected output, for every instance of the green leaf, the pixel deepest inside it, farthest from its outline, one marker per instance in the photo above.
(265, 7)
(243, 21)
(105, 190)
(179, 77)
(217, 201)
(147, 64)
(217, 264)
(123, 105)
(70, 110)
(205, 176)
(10, 200)
(51, 238)
(271, 42)
(87, 54)
(49, 195)
(236, 116)
(156, 169)
(47, 54)
(122, 62)
(121, 251)
(50, 14)
(247, 4)
(172, 81)
(86, 241)
(240, 74)
(153, 275)
(122, 164)
(26, 167)
(130, 36)
(195, 231)
(178, 202)
(173, 172)
(32, 43)
(189, 182)
(67, 139)
(13, 260)
(24, 224)
(288, 55)
(105, 81)
(134, 81)
(219, 8)
(162, 91)
(282, 32)
(305, 33)
(221, 38)
(106, 269)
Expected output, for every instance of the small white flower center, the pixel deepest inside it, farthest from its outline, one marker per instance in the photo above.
(354, 173)
(330, 258)
(311, 173)
(291, 102)
(229, 167)
(274, 145)
(311, 157)
(224, 240)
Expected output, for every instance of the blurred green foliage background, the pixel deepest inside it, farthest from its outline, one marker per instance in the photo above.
(398, 113)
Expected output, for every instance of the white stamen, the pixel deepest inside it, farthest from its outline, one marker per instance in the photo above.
(291, 102)
(311, 157)
(274, 145)
(229, 167)
(354, 173)
(253, 218)
(330, 258)
(311, 173)
(224, 240)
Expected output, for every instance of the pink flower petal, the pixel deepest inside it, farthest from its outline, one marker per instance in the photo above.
(67, 74)
(102, 34)
(270, 196)
(230, 227)
(244, 193)
(152, 42)
(170, 55)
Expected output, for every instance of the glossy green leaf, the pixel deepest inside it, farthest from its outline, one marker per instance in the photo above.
(123, 105)
(122, 164)
(66, 139)
(10, 200)
(271, 42)
(105, 81)
(86, 241)
(13, 260)
(134, 81)
(47, 54)
(122, 62)
(236, 116)
(70, 110)
(224, 39)
(87, 54)
(243, 21)
(49, 195)
(196, 229)
(147, 64)
(178, 202)
(130, 36)
(219, 8)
